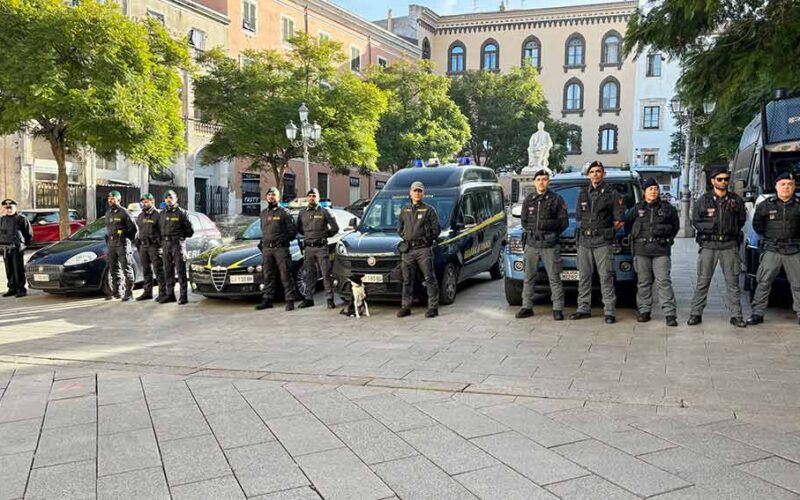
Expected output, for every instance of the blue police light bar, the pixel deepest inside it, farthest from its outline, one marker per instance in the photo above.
(418, 164)
(464, 160)
(325, 204)
(284, 204)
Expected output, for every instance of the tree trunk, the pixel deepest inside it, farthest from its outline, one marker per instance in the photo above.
(58, 146)
(277, 173)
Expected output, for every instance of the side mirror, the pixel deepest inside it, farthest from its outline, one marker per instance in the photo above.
(516, 211)
(469, 221)
(353, 223)
(42, 222)
(749, 197)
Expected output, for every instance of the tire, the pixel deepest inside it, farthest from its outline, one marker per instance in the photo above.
(449, 285)
(513, 292)
(105, 287)
(300, 282)
(498, 269)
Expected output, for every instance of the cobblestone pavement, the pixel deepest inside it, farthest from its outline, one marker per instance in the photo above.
(215, 400)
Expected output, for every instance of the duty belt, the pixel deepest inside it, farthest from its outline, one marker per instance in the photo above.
(172, 238)
(317, 243)
(594, 232)
(418, 244)
(539, 235)
(276, 244)
(117, 237)
(653, 240)
(717, 237)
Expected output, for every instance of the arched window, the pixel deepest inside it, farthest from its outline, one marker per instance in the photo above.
(426, 48)
(611, 54)
(490, 55)
(573, 96)
(608, 139)
(609, 94)
(575, 51)
(532, 52)
(573, 144)
(456, 58)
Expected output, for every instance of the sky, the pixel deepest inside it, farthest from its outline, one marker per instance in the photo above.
(372, 10)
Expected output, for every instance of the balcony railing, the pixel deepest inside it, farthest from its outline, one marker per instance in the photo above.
(203, 128)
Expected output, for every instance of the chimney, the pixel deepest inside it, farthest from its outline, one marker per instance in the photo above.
(389, 20)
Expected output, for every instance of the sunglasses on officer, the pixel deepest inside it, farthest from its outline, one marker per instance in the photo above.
(726, 178)
(8, 205)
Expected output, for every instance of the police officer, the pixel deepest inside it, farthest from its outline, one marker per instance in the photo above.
(544, 217)
(418, 225)
(15, 235)
(278, 229)
(174, 228)
(777, 221)
(120, 233)
(317, 224)
(654, 225)
(599, 216)
(718, 217)
(149, 245)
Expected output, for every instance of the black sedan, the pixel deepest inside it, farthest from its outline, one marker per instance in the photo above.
(79, 263)
(234, 270)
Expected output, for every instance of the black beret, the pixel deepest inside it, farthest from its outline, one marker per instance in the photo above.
(786, 176)
(649, 182)
(717, 170)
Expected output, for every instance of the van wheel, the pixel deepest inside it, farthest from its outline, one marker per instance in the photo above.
(513, 292)
(498, 269)
(449, 285)
(300, 282)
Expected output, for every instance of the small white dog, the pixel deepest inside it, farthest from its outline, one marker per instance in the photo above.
(357, 306)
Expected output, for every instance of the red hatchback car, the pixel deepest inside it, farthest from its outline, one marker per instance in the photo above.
(45, 224)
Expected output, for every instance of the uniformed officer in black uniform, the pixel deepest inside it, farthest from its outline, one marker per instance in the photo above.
(15, 234)
(278, 229)
(777, 221)
(174, 228)
(718, 217)
(418, 225)
(149, 245)
(120, 234)
(544, 217)
(317, 224)
(599, 215)
(654, 224)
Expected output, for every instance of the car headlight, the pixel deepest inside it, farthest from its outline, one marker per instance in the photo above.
(341, 249)
(515, 246)
(81, 258)
(259, 268)
(198, 268)
(251, 269)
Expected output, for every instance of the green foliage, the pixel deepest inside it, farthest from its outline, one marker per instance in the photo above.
(254, 101)
(421, 121)
(503, 110)
(733, 52)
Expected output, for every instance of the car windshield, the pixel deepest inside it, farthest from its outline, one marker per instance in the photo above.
(94, 231)
(383, 211)
(570, 193)
(253, 231)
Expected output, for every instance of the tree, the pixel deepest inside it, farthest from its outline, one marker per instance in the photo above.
(87, 75)
(503, 110)
(253, 101)
(733, 52)
(421, 120)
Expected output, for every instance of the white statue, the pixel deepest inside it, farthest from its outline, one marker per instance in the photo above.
(539, 150)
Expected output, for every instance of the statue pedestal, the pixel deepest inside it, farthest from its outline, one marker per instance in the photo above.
(525, 180)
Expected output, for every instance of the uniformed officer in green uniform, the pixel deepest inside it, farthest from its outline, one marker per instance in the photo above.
(174, 228)
(544, 217)
(418, 225)
(654, 225)
(278, 229)
(718, 217)
(777, 221)
(120, 233)
(149, 245)
(317, 224)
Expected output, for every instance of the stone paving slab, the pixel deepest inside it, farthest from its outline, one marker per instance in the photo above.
(339, 474)
(265, 468)
(145, 484)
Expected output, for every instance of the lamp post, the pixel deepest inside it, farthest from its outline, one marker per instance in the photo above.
(310, 136)
(688, 117)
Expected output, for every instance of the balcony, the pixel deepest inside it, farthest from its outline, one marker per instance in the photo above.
(206, 129)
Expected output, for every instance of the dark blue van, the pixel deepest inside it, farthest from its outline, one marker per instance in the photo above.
(469, 202)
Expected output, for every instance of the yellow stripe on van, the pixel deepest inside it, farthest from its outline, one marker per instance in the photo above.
(487, 222)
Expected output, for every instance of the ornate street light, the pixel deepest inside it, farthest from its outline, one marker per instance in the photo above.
(310, 136)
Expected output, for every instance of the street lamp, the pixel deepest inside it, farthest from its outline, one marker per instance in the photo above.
(310, 136)
(687, 116)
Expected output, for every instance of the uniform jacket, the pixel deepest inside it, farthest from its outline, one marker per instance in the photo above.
(149, 230)
(544, 217)
(653, 227)
(316, 223)
(778, 224)
(15, 230)
(120, 225)
(174, 223)
(277, 226)
(597, 211)
(418, 223)
(719, 221)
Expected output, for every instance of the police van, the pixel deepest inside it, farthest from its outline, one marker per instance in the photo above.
(770, 146)
(469, 202)
(568, 185)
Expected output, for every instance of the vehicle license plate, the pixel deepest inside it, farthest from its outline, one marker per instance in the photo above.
(373, 278)
(570, 275)
(238, 280)
(41, 277)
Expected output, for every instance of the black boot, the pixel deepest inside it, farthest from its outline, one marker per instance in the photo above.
(643, 317)
(755, 319)
(580, 315)
(432, 312)
(524, 313)
(331, 304)
(21, 293)
(739, 322)
(145, 296)
(402, 313)
(694, 320)
(672, 321)
(10, 293)
(610, 320)
(183, 300)
(306, 303)
(265, 304)
(166, 299)
(290, 305)
(127, 297)
(558, 315)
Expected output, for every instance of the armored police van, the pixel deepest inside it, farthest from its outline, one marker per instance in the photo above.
(469, 202)
(568, 185)
(770, 146)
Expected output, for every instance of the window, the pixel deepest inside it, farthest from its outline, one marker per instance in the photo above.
(355, 189)
(382, 62)
(287, 28)
(490, 55)
(607, 139)
(611, 45)
(653, 65)
(322, 185)
(573, 96)
(573, 145)
(324, 36)
(575, 51)
(456, 59)
(609, 95)
(249, 15)
(651, 117)
(426, 48)
(197, 39)
(379, 185)
(156, 15)
(532, 53)
(355, 59)
(649, 159)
